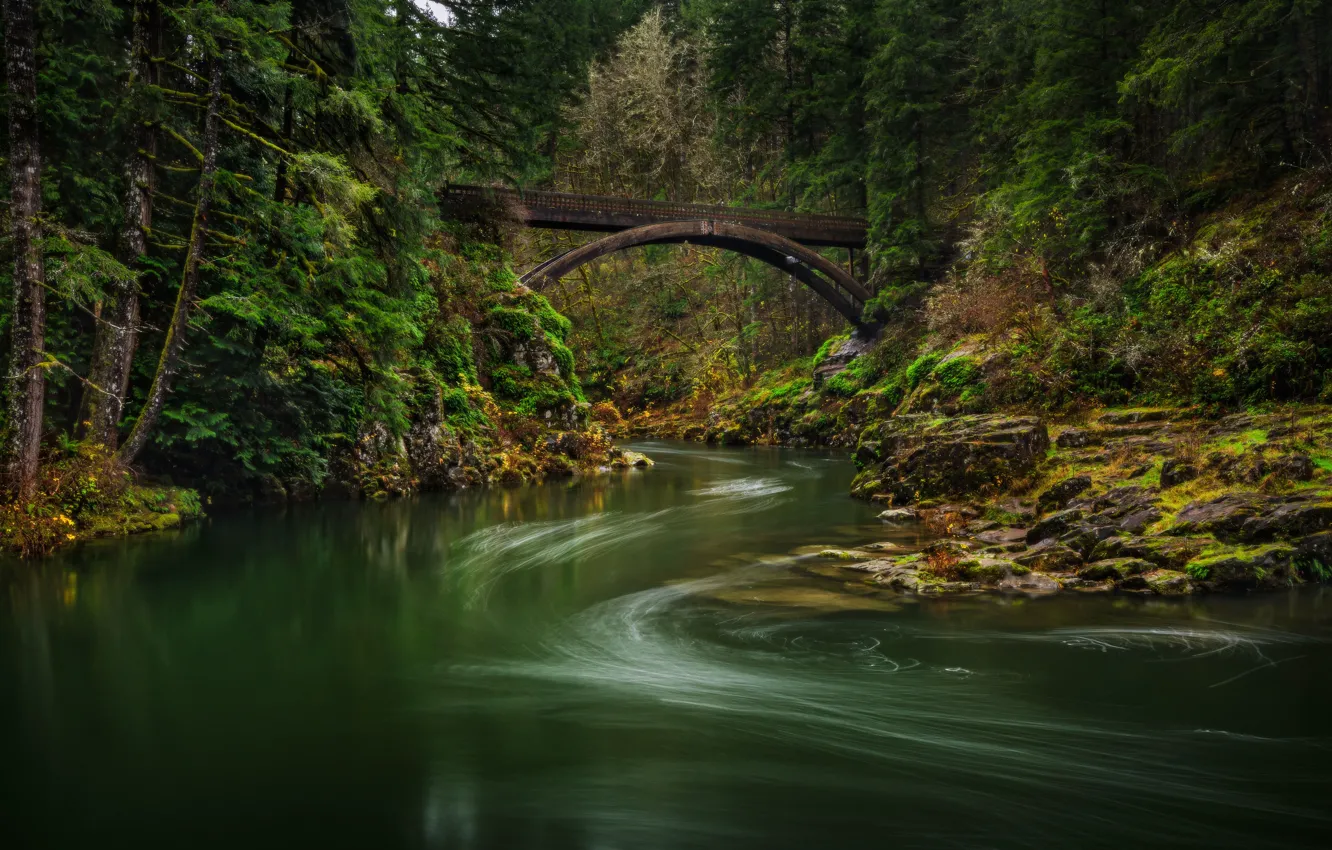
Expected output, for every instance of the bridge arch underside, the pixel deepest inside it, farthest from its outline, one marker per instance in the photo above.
(833, 283)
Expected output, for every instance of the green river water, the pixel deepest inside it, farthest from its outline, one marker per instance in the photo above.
(635, 662)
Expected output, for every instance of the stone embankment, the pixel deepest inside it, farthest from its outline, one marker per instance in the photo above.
(1149, 501)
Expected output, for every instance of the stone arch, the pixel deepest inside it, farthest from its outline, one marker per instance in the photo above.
(833, 283)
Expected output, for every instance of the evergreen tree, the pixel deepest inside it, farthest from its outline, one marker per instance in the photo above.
(27, 372)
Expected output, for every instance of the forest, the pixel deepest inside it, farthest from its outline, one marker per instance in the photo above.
(232, 280)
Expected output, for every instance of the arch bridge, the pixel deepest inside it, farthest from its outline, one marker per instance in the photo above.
(781, 239)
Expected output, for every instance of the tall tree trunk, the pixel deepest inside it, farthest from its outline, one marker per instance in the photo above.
(27, 377)
(117, 328)
(169, 361)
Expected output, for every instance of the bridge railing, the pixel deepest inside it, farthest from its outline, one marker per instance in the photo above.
(649, 209)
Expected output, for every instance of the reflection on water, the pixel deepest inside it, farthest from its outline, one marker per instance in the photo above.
(645, 660)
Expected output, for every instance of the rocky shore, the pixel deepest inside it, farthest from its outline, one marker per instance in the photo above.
(1159, 501)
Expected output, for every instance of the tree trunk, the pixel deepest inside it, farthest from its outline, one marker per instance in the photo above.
(174, 343)
(27, 377)
(117, 328)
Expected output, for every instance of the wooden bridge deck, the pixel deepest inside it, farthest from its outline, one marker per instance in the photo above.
(565, 211)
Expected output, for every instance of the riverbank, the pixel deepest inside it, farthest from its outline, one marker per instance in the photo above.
(1146, 500)
(87, 496)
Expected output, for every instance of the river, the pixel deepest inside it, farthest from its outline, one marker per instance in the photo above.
(635, 661)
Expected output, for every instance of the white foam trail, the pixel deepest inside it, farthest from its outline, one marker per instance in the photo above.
(485, 556)
(743, 488)
(866, 698)
(711, 457)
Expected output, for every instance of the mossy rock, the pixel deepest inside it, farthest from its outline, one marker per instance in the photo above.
(1116, 569)
(991, 570)
(1169, 582)
(1246, 566)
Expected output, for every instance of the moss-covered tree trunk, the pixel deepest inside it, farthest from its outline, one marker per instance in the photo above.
(117, 327)
(169, 361)
(27, 377)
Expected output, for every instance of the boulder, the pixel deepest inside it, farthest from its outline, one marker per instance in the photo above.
(881, 546)
(1074, 438)
(1166, 552)
(1003, 536)
(990, 570)
(924, 457)
(841, 356)
(1112, 506)
(867, 453)
(1139, 520)
(1033, 583)
(623, 459)
(1115, 568)
(1175, 472)
(1062, 493)
(1083, 537)
(845, 555)
(898, 515)
(1223, 516)
(1316, 549)
(1021, 511)
(1247, 567)
(1294, 467)
(1169, 582)
(1053, 525)
(1136, 416)
(1049, 556)
(1293, 519)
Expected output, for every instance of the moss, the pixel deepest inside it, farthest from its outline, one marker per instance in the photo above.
(549, 320)
(450, 346)
(825, 350)
(1238, 443)
(861, 372)
(462, 412)
(521, 324)
(957, 374)
(510, 380)
(841, 384)
(920, 369)
(994, 513)
(564, 357)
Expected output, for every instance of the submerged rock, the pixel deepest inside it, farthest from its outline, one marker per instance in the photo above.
(624, 459)
(898, 515)
(845, 555)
